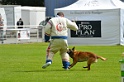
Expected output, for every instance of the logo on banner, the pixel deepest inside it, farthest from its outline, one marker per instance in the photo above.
(87, 29)
(92, 3)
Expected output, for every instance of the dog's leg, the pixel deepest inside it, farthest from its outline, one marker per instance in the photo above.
(88, 66)
(89, 62)
(74, 62)
(85, 67)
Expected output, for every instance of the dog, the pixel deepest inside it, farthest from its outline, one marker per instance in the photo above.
(79, 56)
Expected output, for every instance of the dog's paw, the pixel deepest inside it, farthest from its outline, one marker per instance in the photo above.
(69, 67)
(85, 67)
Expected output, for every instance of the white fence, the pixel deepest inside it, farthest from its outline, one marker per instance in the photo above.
(10, 34)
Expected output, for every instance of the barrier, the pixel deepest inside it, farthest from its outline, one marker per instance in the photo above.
(27, 29)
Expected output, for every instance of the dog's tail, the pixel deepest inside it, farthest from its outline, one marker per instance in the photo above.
(102, 58)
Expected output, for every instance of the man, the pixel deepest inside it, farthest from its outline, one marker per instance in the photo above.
(57, 28)
(2, 32)
(1, 22)
(20, 23)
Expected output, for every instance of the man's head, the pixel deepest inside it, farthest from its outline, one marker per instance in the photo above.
(61, 14)
(20, 19)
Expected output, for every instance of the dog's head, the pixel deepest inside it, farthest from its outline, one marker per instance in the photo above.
(71, 52)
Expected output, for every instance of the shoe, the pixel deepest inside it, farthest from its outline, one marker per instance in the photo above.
(65, 68)
(46, 65)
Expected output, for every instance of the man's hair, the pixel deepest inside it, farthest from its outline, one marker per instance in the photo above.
(60, 14)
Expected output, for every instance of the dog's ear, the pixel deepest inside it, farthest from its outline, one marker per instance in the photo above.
(73, 48)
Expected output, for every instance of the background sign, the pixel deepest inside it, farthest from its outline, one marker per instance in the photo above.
(23, 34)
(87, 29)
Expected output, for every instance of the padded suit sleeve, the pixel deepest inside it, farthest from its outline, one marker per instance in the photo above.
(71, 25)
(47, 29)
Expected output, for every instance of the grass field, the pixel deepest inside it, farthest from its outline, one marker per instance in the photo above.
(22, 63)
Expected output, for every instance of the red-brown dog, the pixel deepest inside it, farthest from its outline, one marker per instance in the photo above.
(79, 56)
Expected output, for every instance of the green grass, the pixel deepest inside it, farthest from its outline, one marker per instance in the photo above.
(22, 63)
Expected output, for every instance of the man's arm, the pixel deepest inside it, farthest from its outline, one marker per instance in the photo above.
(72, 25)
(47, 28)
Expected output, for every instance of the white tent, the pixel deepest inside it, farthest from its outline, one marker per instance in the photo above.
(12, 14)
(33, 15)
(100, 22)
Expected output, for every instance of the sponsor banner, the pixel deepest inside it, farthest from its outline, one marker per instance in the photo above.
(87, 29)
(23, 34)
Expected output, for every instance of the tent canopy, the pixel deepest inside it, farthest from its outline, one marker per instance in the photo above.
(93, 4)
(100, 22)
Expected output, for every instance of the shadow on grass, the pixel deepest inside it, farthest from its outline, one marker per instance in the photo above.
(45, 70)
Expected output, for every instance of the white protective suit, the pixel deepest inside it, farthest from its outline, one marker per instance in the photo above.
(57, 28)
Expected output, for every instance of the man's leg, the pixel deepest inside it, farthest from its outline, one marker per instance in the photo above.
(50, 53)
(48, 62)
(49, 57)
(65, 61)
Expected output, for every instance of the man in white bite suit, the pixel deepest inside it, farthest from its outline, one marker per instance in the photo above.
(57, 28)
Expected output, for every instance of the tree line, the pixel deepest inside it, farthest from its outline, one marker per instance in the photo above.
(23, 2)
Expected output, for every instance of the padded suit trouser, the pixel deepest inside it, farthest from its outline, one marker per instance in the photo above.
(56, 45)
